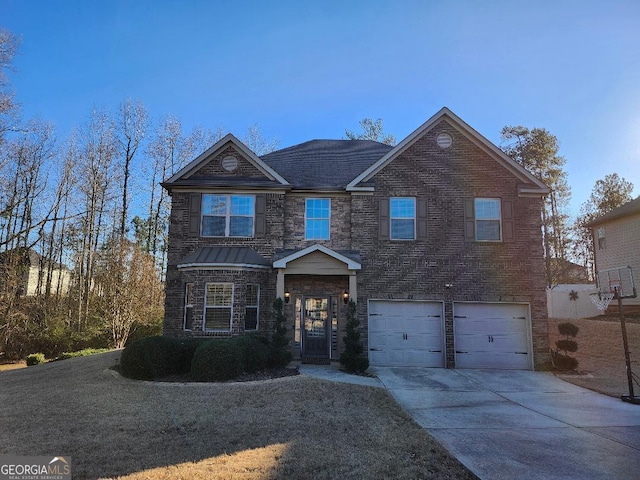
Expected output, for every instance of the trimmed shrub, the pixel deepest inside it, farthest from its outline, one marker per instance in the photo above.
(568, 329)
(256, 352)
(564, 362)
(567, 345)
(280, 351)
(352, 358)
(217, 360)
(188, 347)
(151, 357)
(35, 359)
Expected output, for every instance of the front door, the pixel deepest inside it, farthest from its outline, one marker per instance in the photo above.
(316, 327)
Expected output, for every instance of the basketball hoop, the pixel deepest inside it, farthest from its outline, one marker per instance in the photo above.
(602, 299)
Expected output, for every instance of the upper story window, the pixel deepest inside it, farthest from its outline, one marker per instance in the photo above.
(488, 219)
(403, 218)
(317, 218)
(602, 239)
(228, 215)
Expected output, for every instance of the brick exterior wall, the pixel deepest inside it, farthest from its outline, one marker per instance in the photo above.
(181, 244)
(479, 271)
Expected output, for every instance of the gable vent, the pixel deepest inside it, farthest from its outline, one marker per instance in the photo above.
(444, 140)
(229, 163)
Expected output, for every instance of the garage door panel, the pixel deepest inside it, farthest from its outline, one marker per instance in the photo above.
(492, 335)
(406, 333)
(499, 360)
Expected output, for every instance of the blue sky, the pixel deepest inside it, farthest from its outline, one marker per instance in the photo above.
(304, 70)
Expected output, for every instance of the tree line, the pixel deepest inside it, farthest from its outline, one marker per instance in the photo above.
(88, 214)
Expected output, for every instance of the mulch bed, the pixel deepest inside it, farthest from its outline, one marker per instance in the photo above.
(268, 374)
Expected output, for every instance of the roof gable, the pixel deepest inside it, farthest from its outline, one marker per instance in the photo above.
(350, 263)
(628, 209)
(531, 185)
(219, 147)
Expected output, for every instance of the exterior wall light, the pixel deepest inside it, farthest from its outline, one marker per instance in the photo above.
(287, 296)
(345, 297)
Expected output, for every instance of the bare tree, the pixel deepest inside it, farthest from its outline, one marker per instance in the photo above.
(258, 143)
(131, 130)
(8, 110)
(96, 177)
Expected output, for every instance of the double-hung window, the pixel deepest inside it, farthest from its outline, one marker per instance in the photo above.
(488, 220)
(317, 218)
(188, 306)
(228, 215)
(252, 301)
(403, 218)
(218, 307)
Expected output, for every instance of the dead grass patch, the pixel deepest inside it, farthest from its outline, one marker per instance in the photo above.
(601, 354)
(12, 365)
(294, 427)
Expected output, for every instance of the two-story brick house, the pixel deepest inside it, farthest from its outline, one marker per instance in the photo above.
(437, 239)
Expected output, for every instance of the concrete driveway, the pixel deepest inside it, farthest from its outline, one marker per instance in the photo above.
(520, 424)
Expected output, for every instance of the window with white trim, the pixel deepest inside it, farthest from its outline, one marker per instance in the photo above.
(403, 218)
(188, 306)
(218, 307)
(317, 218)
(602, 239)
(252, 307)
(228, 215)
(488, 220)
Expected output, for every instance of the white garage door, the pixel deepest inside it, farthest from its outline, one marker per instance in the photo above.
(492, 335)
(406, 333)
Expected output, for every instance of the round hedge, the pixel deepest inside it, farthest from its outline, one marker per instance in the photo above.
(151, 357)
(256, 352)
(217, 360)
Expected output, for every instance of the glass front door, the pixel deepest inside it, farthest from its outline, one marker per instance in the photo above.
(316, 327)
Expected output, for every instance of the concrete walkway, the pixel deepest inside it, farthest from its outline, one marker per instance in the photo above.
(334, 374)
(521, 424)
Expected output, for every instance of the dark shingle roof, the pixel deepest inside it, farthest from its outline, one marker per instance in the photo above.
(224, 256)
(629, 208)
(325, 163)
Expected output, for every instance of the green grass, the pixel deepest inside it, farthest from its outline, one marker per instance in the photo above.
(82, 353)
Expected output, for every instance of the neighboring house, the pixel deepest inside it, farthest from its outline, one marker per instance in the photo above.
(566, 272)
(616, 240)
(33, 271)
(437, 239)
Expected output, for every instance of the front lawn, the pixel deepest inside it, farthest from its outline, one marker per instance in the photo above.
(294, 427)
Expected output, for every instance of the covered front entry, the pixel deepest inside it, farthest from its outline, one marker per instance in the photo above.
(317, 283)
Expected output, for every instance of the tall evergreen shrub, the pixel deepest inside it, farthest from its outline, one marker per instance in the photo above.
(352, 358)
(280, 351)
